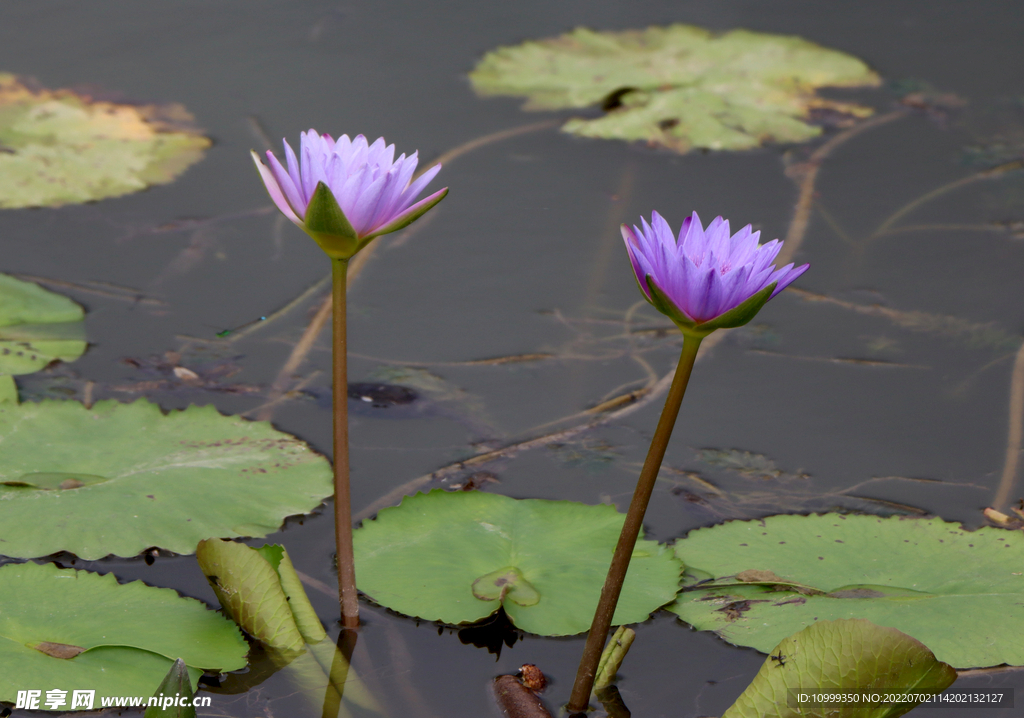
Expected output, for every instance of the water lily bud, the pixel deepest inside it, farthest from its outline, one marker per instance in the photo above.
(344, 193)
(706, 279)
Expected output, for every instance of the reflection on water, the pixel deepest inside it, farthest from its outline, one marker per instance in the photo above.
(892, 382)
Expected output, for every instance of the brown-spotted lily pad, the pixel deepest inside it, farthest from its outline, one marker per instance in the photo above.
(680, 86)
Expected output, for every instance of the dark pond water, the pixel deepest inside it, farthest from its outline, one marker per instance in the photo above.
(524, 257)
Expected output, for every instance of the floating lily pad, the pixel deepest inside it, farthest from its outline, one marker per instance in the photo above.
(120, 478)
(851, 657)
(956, 591)
(679, 86)
(36, 327)
(459, 557)
(76, 630)
(58, 147)
(8, 389)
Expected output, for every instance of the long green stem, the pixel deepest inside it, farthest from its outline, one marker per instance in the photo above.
(584, 684)
(342, 500)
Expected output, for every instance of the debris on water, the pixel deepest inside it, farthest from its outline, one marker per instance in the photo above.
(533, 678)
(516, 700)
(382, 396)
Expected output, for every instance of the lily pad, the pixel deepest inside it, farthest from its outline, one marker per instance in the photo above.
(459, 557)
(120, 478)
(59, 147)
(37, 326)
(956, 591)
(679, 86)
(261, 591)
(851, 657)
(75, 630)
(8, 389)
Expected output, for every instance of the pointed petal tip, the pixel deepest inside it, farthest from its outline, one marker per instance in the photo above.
(275, 191)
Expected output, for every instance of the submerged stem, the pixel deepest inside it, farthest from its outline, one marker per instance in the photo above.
(342, 499)
(631, 530)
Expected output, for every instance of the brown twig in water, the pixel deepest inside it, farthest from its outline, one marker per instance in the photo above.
(840, 360)
(258, 132)
(310, 292)
(491, 138)
(806, 174)
(1002, 229)
(493, 361)
(940, 324)
(127, 294)
(1015, 433)
(512, 450)
(295, 359)
(990, 173)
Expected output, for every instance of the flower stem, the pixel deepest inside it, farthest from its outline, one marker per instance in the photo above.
(342, 500)
(584, 684)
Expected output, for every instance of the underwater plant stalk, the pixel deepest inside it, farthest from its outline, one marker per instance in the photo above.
(342, 499)
(584, 684)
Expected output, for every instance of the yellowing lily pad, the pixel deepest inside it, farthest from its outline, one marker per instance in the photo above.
(459, 557)
(58, 147)
(679, 86)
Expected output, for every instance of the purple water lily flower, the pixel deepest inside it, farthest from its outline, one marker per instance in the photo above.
(344, 193)
(706, 279)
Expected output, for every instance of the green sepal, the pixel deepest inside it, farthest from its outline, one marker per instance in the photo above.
(326, 223)
(404, 221)
(667, 307)
(740, 315)
(735, 317)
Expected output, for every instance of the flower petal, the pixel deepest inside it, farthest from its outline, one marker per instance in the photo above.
(284, 181)
(411, 214)
(275, 191)
(705, 274)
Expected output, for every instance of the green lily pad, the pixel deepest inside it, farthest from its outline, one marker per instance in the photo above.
(120, 478)
(74, 630)
(679, 86)
(956, 591)
(459, 557)
(8, 389)
(851, 657)
(60, 147)
(36, 327)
